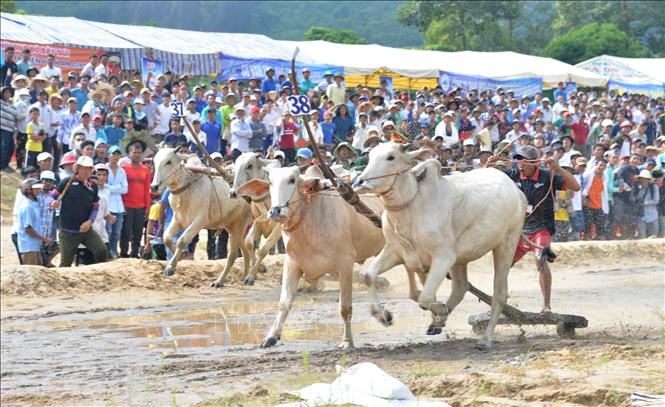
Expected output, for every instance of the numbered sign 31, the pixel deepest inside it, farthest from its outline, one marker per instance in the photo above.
(177, 109)
(299, 105)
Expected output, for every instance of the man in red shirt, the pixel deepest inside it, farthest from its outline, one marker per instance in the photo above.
(136, 200)
(580, 132)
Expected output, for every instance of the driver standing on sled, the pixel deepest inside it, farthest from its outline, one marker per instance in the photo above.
(534, 182)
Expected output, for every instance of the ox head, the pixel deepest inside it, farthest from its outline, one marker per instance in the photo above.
(285, 187)
(247, 167)
(386, 161)
(167, 162)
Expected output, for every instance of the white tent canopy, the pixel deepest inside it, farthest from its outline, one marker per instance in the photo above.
(636, 71)
(365, 59)
(68, 31)
(197, 52)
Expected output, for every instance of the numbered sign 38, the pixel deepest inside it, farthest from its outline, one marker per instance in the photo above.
(299, 105)
(177, 109)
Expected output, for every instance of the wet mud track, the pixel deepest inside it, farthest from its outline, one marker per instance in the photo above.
(205, 349)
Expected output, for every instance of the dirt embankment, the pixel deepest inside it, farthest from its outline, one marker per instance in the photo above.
(125, 274)
(122, 274)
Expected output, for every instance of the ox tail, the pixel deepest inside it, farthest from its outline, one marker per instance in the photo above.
(546, 252)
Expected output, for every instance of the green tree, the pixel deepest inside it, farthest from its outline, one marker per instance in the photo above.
(479, 25)
(8, 6)
(592, 40)
(341, 35)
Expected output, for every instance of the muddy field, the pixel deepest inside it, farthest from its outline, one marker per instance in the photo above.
(121, 334)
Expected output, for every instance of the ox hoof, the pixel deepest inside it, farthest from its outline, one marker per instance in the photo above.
(345, 344)
(268, 342)
(169, 271)
(249, 281)
(263, 268)
(217, 284)
(434, 330)
(481, 346)
(385, 317)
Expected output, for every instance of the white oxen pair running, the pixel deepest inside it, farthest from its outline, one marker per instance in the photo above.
(435, 225)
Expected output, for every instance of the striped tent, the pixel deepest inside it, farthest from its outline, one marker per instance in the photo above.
(67, 31)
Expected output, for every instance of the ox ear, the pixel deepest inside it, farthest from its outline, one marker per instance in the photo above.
(255, 189)
(420, 154)
(311, 185)
(182, 157)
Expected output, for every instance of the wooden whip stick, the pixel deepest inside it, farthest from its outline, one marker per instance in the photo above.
(211, 162)
(344, 190)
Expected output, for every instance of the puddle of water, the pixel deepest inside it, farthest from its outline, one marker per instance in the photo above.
(239, 326)
(237, 323)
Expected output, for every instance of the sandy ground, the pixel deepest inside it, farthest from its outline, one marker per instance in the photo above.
(121, 334)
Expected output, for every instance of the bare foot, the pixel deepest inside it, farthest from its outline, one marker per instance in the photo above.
(546, 310)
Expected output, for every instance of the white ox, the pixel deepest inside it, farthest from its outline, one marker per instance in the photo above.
(439, 224)
(199, 202)
(249, 166)
(322, 233)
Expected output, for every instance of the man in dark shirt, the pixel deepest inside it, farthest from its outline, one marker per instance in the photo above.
(625, 210)
(8, 67)
(535, 182)
(175, 137)
(78, 210)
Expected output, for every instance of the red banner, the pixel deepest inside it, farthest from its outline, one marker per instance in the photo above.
(66, 58)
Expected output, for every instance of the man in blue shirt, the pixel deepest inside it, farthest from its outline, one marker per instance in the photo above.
(81, 93)
(306, 84)
(561, 91)
(213, 132)
(269, 83)
(30, 234)
(115, 132)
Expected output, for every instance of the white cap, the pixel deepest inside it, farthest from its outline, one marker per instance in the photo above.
(218, 100)
(44, 156)
(387, 123)
(239, 108)
(101, 166)
(486, 150)
(279, 153)
(85, 161)
(47, 175)
(607, 122)
(216, 155)
(469, 142)
(22, 92)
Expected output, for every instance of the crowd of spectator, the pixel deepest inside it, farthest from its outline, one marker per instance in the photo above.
(83, 144)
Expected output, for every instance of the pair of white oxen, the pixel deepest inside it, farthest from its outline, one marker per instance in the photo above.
(432, 224)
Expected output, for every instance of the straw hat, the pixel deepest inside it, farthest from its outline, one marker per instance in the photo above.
(19, 78)
(646, 174)
(38, 77)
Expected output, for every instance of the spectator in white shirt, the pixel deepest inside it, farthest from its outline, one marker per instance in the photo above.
(46, 114)
(85, 128)
(558, 107)
(241, 132)
(50, 70)
(101, 68)
(361, 131)
(163, 117)
(89, 68)
(546, 110)
(447, 130)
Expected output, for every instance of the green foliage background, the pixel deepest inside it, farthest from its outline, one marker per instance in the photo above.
(566, 30)
(374, 21)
